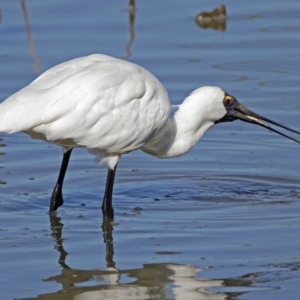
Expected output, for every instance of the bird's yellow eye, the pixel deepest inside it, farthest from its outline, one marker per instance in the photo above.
(228, 100)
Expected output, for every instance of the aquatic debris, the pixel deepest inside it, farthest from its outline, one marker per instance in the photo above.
(215, 19)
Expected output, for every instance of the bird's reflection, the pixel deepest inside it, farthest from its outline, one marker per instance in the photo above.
(71, 279)
(56, 232)
(29, 38)
(107, 229)
(152, 281)
(215, 19)
(131, 11)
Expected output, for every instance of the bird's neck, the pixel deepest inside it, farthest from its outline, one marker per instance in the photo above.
(180, 133)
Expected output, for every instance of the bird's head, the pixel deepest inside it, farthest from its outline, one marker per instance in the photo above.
(234, 110)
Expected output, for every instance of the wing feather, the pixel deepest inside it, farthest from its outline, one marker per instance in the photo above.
(96, 101)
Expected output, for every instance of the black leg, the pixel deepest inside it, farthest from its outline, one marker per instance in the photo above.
(107, 209)
(56, 198)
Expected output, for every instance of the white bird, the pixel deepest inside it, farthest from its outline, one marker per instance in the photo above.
(112, 107)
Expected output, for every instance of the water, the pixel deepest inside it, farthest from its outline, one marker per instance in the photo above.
(222, 221)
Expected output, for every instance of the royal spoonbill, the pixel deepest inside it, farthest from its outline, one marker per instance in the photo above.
(112, 107)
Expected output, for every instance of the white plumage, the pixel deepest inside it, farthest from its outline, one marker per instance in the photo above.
(93, 101)
(111, 107)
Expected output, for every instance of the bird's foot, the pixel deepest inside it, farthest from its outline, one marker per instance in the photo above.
(56, 198)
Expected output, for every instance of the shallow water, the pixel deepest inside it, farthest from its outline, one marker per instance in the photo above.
(219, 223)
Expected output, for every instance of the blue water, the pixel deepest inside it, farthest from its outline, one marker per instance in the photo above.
(221, 220)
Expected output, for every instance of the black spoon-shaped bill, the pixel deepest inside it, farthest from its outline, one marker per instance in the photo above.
(237, 111)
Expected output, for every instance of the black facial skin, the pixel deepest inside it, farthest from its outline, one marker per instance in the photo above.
(237, 111)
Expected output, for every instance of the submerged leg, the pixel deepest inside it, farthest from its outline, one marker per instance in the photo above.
(107, 209)
(56, 198)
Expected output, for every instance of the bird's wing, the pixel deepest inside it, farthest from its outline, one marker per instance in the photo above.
(28, 107)
(97, 101)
